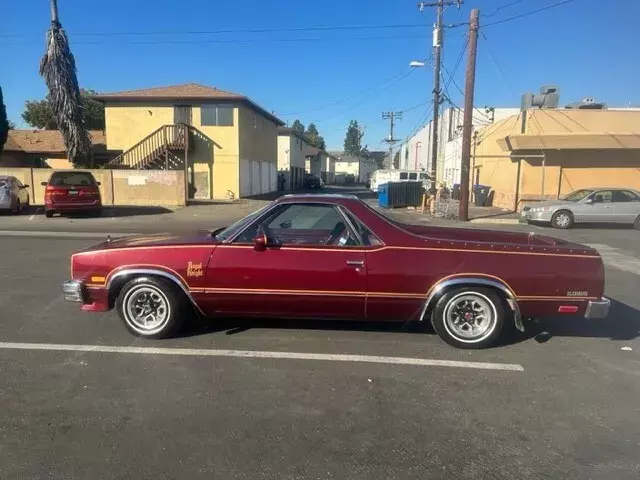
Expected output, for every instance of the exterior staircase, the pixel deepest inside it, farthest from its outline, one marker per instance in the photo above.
(160, 150)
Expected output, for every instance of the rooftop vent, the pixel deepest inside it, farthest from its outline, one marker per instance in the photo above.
(549, 97)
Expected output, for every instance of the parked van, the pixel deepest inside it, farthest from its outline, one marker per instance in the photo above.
(380, 177)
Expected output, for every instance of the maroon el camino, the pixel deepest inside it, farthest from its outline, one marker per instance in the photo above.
(334, 257)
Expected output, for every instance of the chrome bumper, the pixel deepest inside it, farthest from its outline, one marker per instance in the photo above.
(73, 291)
(536, 216)
(597, 308)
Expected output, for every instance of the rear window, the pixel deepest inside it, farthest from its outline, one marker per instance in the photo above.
(3, 182)
(71, 179)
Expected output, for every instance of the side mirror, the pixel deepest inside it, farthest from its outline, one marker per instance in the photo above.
(260, 242)
(25, 186)
(98, 183)
(44, 184)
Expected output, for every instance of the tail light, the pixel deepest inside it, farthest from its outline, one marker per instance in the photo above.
(54, 192)
(89, 192)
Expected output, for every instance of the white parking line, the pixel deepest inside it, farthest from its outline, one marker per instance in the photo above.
(613, 257)
(201, 352)
(34, 214)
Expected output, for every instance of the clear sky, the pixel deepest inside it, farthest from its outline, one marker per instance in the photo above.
(330, 76)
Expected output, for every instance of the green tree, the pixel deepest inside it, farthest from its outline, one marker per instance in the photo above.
(40, 114)
(353, 139)
(396, 159)
(314, 136)
(298, 126)
(4, 122)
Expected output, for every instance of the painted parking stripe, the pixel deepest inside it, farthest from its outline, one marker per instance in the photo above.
(613, 257)
(201, 352)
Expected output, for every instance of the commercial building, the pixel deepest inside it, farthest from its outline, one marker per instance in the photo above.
(546, 153)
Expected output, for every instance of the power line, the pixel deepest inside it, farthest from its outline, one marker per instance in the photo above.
(373, 95)
(506, 5)
(526, 14)
(231, 41)
(239, 30)
(338, 102)
(499, 69)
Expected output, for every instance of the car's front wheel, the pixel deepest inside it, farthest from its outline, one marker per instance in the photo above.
(562, 219)
(151, 307)
(469, 317)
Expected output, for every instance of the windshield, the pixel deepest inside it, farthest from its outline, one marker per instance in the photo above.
(577, 195)
(234, 228)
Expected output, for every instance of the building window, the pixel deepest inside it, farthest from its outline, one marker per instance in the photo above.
(216, 115)
(255, 121)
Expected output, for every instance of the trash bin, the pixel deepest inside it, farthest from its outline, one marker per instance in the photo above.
(455, 193)
(383, 195)
(481, 194)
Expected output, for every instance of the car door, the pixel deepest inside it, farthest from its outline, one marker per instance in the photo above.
(22, 192)
(313, 267)
(602, 210)
(626, 206)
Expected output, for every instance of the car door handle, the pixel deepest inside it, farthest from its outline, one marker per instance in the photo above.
(355, 263)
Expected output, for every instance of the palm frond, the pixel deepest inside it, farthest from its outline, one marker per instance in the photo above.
(58, 68)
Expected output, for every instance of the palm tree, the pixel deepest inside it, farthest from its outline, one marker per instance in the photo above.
(58, 68)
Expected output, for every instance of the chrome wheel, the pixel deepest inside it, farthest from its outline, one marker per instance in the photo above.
(563, 219)
(470, 317)
(146, 309)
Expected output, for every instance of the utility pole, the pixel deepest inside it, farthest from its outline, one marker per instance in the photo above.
(469, 84)
(437, 61)
(391, 116)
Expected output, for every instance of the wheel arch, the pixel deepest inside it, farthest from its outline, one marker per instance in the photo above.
(498, 285)
(119, 279)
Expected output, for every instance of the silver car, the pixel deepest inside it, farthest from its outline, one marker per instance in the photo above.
(588, 205)
(14, 196)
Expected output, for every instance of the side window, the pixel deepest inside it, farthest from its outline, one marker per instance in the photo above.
(404, 175)
(624, 196)
(367, 236)
(303, 224)
(413, 176)
(603, 196)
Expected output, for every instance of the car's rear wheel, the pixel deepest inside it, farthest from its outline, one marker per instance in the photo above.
(469, 317)
(562, 219)
(151, 307)
(48, 213)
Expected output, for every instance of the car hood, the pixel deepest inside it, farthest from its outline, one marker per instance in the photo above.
(155, 240)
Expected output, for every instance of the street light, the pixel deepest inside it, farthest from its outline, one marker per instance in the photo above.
(417, 64)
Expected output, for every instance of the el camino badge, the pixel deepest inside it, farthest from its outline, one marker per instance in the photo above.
(577, 293)
(194, 270)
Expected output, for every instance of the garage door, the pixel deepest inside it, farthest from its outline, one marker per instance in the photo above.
(264, 170)
(245, 178)
(255, 178)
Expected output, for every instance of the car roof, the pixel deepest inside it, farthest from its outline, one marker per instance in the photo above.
(606, 188)
(317, 197)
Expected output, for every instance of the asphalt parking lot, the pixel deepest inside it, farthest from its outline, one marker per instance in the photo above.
(81, 398)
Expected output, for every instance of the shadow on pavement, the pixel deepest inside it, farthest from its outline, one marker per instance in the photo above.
(240, 325)
(623, 323)
(131, 211)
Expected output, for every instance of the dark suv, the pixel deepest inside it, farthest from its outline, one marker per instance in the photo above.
(72, 191)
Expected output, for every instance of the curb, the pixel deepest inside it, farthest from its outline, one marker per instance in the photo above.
(501, 221)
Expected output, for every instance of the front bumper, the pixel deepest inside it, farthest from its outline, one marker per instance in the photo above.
(597, 308)
(73, 291)
(532, 216)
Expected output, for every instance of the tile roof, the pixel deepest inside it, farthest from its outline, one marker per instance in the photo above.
(45, 141)
(187, 91)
